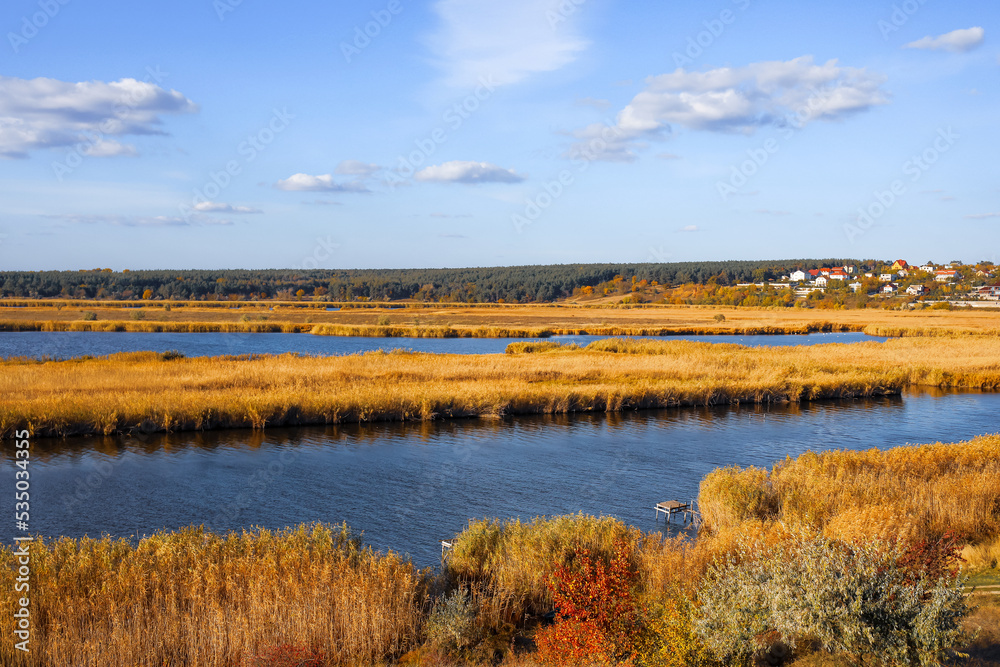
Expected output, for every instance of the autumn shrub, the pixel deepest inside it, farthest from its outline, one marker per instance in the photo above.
(597, 619)
(451, 625)
(860, 601)
(932, 560)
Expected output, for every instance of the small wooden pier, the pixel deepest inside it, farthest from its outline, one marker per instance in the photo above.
(446, 547)
(671, 507)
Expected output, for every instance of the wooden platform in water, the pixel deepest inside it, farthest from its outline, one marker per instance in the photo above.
(671, 507)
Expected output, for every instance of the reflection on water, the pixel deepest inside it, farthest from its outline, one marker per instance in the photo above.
(409, 485)
(67, 344)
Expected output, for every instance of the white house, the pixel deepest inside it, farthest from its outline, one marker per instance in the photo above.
(798, 276)
(855, 286)
(915, 290)
(890, 288)
(821, 281)
(945, 276)
(886, 277)
(929, 268)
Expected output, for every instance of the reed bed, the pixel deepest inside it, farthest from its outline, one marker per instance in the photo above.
(521, 320)
(904, 492)
(389, 331)
(198, 598)
(144, 326)
(193, 597)
(508, 564)
(152, 392)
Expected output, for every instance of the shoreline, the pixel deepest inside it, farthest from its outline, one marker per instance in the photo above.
(152, 392)
(393, 331)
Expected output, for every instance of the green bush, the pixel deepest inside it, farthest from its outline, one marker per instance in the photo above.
(451, 625)
(89, 315)
(857, 601)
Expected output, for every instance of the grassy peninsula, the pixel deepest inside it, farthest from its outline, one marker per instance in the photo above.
(162, 392)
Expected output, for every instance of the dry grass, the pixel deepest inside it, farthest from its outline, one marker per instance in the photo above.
(983, 556)
(507, 564)
(195, 598)
(985, 622)
(147, 392)
(31, 315)
(906, 492)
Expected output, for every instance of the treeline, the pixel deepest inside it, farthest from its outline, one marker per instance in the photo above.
(511, 284)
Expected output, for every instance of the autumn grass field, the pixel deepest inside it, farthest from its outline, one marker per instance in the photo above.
(165, 392)
(430, 319)
(314, 596)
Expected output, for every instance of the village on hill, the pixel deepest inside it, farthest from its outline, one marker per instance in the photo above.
(952, 281)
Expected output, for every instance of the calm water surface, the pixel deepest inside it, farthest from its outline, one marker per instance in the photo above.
(66, 344)
(407, 486)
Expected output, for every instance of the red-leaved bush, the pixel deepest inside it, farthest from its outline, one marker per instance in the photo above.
(932, 559)
(596, 617)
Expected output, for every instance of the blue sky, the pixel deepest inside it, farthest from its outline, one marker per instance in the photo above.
(406, 133)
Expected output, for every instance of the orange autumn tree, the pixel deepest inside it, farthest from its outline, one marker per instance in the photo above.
(596, 613)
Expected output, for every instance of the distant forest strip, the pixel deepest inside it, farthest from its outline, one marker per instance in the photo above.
(512, 284)
(149, 392)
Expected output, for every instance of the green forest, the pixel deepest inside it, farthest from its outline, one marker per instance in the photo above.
(512, 284)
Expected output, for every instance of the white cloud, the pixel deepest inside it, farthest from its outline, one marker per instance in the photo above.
(110, 148)
(218, 207)
(321, 183)
(668, 156)
(982, 216)
(138, 220)
(956, 41)
(356, 168)
(47, 113)
(767, 211)
(459, 171)
(507, 41)
(689, 228)
(733, 99)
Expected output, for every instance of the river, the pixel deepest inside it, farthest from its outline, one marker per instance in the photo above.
(408, 486)
(68, 344)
